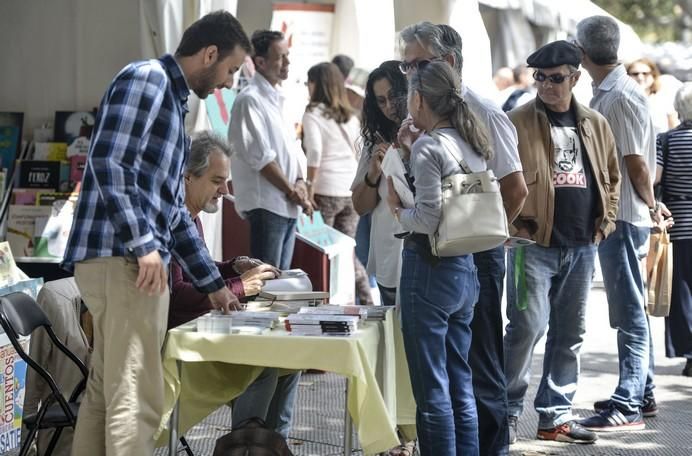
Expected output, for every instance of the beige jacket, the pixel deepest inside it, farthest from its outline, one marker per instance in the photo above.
(536, 154)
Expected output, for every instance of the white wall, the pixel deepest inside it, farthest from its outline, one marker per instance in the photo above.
(61, 54)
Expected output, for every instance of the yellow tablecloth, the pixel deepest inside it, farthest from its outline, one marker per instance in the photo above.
(218, 367)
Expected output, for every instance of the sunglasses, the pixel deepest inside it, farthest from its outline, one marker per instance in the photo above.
(639, 73)
(406, 67)
(553, 78)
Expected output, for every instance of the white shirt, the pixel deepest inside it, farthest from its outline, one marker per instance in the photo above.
(331, 147)
(384, 256)
(259, 135)
(624, 105)
(503, 135)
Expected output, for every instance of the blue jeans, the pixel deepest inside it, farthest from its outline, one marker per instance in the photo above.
(620, 255)
(436, 310)
(546, 287)
(486, 355)
(272, 237)
(254, 402)
(269, 397)
(280, 413)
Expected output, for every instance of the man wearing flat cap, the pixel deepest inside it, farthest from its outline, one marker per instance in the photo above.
(570, 166)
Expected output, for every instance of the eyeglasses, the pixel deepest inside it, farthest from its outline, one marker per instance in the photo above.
(639, 73)
(406, 67)
(556, 78)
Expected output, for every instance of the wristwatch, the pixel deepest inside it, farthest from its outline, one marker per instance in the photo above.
(656, 208)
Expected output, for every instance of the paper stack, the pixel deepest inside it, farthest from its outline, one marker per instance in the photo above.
(264, 320)
(315, 324)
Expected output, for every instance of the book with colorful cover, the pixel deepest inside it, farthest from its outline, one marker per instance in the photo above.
(11, 128)
(50, 151)
(70, 125)
(77, 164)
(44, 174)
(21, 227)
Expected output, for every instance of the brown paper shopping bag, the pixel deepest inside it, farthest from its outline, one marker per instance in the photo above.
(659, 266)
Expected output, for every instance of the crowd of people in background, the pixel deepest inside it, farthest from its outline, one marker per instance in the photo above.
(575, 180)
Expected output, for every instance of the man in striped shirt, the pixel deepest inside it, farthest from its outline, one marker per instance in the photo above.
(624, 105)
(130, 220)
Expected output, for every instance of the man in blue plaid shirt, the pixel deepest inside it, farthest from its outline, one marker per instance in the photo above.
(130, 219)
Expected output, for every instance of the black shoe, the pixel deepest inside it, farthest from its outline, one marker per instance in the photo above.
(612, 420)
(649, 408)
(570, 432)
(512, 429)
(687, 370)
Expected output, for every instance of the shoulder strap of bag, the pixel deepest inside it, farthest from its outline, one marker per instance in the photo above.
(348, 141)
(462, 163)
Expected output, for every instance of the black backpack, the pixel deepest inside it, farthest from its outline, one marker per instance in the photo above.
(252, 437)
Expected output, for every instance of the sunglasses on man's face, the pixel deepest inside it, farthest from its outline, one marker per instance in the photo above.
(406, 67)
(556, 78)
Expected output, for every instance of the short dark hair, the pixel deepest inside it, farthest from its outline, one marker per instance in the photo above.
(220, 29)
(262, 41)
(344, 62)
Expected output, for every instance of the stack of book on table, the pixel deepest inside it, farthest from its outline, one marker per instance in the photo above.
(364, 312)
(320, 324)
(263, 320)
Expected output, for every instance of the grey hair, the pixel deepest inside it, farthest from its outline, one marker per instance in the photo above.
(599, 37)
(440, 86)
(439, 40)
(203, 144)
(683, 101)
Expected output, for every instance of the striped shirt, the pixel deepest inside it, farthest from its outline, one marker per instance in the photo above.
(132, 197)
(624, 105)
(677, 176)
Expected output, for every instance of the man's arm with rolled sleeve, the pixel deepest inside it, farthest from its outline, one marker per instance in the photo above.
(503, 136)
(628, 130)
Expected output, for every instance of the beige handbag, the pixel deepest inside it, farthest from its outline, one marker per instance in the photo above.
(473, 217)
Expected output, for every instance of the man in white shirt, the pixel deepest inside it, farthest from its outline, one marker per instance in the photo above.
(624, 105)
(268, 182)
(265, 167)
(426, 41)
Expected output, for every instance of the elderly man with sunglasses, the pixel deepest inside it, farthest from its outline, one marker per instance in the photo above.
(570, 166)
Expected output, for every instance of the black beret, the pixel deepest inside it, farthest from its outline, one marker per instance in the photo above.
(555, 54)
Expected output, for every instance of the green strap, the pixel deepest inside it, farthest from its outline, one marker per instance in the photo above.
(520, 278)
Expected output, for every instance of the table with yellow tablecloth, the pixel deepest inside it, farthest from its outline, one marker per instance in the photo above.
(204, 371)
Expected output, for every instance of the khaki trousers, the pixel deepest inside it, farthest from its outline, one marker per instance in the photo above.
(123, 402)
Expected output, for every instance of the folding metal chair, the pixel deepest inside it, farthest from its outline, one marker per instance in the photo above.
(19, 317)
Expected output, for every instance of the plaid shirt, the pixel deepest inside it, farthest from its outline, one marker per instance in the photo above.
(132, 197)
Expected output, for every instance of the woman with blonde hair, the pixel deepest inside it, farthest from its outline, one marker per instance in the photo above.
(330, 132)
(438, 293)
(659, 89)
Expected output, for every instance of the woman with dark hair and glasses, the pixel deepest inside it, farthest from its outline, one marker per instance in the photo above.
(438, 293)
(330, 132)
(384, 108)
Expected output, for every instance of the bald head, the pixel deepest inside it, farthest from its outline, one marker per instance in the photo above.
(504, 77)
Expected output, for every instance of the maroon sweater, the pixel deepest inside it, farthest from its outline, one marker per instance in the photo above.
(186, 302)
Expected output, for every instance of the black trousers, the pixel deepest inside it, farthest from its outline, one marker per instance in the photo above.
(679, 321)
(486, 355)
